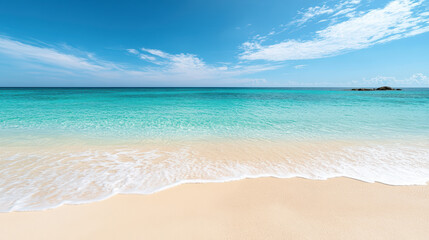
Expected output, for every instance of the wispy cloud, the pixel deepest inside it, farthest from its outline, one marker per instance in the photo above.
(142, 55)
(147, 57)
(418, 79)
(299, 66)
(179, 68)
(133, 51)
(398, 19)
(311, 13)
(316, 14)
(46, 55)
(342, 8)
(191, 67)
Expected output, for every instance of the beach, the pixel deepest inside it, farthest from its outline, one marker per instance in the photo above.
(182, 120)
(262, 208)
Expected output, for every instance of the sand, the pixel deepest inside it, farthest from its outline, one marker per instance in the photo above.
(264, 208)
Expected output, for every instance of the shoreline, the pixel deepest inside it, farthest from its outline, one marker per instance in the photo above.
(297, 208)
(204, 181)
(48, 178)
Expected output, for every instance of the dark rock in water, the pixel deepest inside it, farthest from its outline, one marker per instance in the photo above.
(384, 88)
(363, 89)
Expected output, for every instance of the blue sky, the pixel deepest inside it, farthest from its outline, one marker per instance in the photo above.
(215, 43)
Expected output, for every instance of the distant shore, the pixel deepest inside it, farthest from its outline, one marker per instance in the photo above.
(264, 208)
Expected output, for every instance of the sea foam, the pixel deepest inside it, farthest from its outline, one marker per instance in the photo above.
(41, 180)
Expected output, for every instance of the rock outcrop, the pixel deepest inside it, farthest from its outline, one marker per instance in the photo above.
(384, 88)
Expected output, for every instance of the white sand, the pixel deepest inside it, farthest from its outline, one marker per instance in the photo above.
(264, 208)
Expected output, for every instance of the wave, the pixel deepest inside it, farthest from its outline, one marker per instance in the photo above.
(41, 179)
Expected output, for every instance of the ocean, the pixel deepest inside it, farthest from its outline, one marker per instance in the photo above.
(78, 145)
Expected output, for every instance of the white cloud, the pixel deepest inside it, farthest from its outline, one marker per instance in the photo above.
(176, 62)
(174, 69)
(133, 51)
(156, 52)
(343, 7)
(191, 67)
(418, 79)
(50, 56)
(313, 12)
(299, 66)
(345, 11)
(398, 19)
(147, 57)
(150, 58)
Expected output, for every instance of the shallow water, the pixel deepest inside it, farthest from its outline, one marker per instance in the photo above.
(62, 145)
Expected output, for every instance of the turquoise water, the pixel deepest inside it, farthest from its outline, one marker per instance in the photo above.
(78, 145)
(201, 113)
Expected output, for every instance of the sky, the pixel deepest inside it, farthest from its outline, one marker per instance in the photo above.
(231, 43)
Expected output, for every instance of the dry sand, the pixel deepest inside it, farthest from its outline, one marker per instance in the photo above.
(264, 208)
